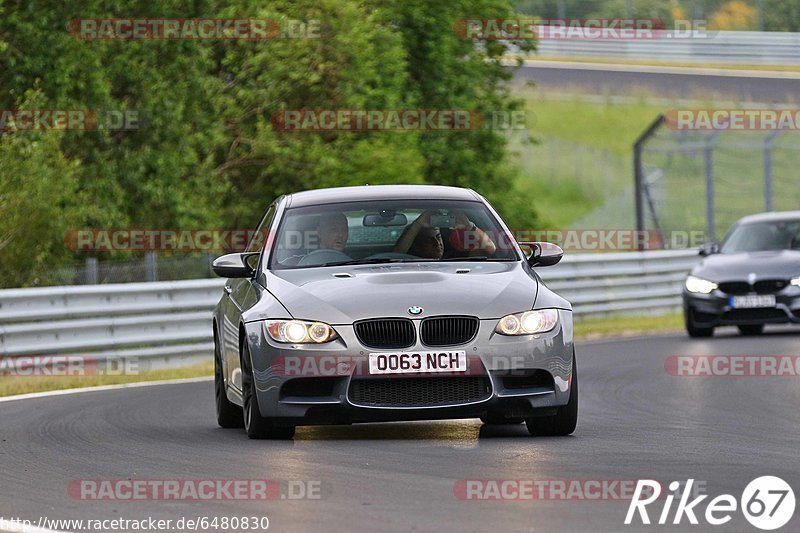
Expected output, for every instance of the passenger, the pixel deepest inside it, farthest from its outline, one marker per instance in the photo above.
(423, 240)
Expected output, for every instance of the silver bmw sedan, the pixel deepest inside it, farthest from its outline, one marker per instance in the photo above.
(390, 303)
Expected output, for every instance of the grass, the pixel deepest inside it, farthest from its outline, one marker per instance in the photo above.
(608, 126)
(581, 152)
(12, 385)
(626, 326)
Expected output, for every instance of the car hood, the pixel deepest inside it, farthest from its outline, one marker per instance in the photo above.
(343, 295)
(782, 264)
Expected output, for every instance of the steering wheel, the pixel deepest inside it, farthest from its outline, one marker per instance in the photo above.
(319, 257)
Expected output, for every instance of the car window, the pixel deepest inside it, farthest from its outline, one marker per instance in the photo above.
(763, 236)
(377, 231)
(258, 238)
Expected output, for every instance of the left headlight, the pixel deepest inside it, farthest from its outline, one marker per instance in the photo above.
(796, 281)
(299, 331)
(700, 285)
(528, 323)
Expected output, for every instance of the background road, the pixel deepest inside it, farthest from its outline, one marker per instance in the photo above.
(670, 82)
(636, 421)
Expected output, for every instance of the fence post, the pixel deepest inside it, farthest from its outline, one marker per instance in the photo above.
(710, 222)
(638, 174)
(151, 266)
(768, 145)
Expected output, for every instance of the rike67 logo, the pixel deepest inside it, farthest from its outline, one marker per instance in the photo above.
(767, 503)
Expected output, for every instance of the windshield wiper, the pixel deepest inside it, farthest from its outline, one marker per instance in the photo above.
(373, 261)
(475, 258)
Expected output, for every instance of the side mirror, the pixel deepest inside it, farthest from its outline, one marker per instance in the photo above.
(234, 265)
(543, 253)
(709, 249)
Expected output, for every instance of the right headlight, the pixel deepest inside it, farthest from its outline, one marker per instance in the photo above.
(528, 323)
(699, 285)
(796, 281)
(299, 331)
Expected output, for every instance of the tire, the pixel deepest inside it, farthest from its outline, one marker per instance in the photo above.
(229, 415)
(695, 331)
(255, 425)
(566, 418)
(496, 420)
(751, 330)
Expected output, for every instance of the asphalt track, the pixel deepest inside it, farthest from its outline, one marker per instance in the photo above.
(636, 421)
(662, 81)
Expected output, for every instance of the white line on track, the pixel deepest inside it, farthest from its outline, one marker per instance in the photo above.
(64, 392)
(657, 69)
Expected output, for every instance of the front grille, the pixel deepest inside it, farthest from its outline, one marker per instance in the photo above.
(764, 286)
(419, 392)
(735, 287)
(385, 333)
(770, 286)
(448, 330)
(740, 315)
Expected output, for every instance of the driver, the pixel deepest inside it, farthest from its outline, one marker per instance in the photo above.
(332, 231)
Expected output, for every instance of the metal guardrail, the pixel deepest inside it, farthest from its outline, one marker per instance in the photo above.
(163, 322)
(618, 283)
(171, 321)
(733, 47)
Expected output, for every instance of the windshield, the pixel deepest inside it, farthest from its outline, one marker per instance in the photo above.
(763, 237)
(387, 232)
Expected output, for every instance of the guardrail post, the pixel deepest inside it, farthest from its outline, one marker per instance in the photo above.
(90, 273)
(151, 266)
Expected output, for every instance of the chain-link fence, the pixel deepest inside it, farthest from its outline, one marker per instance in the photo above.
(703, 181)
(601, 177)
(149, 267)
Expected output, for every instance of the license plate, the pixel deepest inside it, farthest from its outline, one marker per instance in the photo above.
(417, 362)
(755, 300)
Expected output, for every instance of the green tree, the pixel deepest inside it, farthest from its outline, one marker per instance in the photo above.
(782, 15)
(205, 152)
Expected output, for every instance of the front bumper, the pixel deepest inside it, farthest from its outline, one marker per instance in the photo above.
(714, 309)
(316, 384)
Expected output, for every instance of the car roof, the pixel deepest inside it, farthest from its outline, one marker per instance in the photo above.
(379, 192)
(770, 217)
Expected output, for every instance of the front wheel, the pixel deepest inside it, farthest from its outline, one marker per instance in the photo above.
(566, 418)
(696, 331)
(255, 425)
